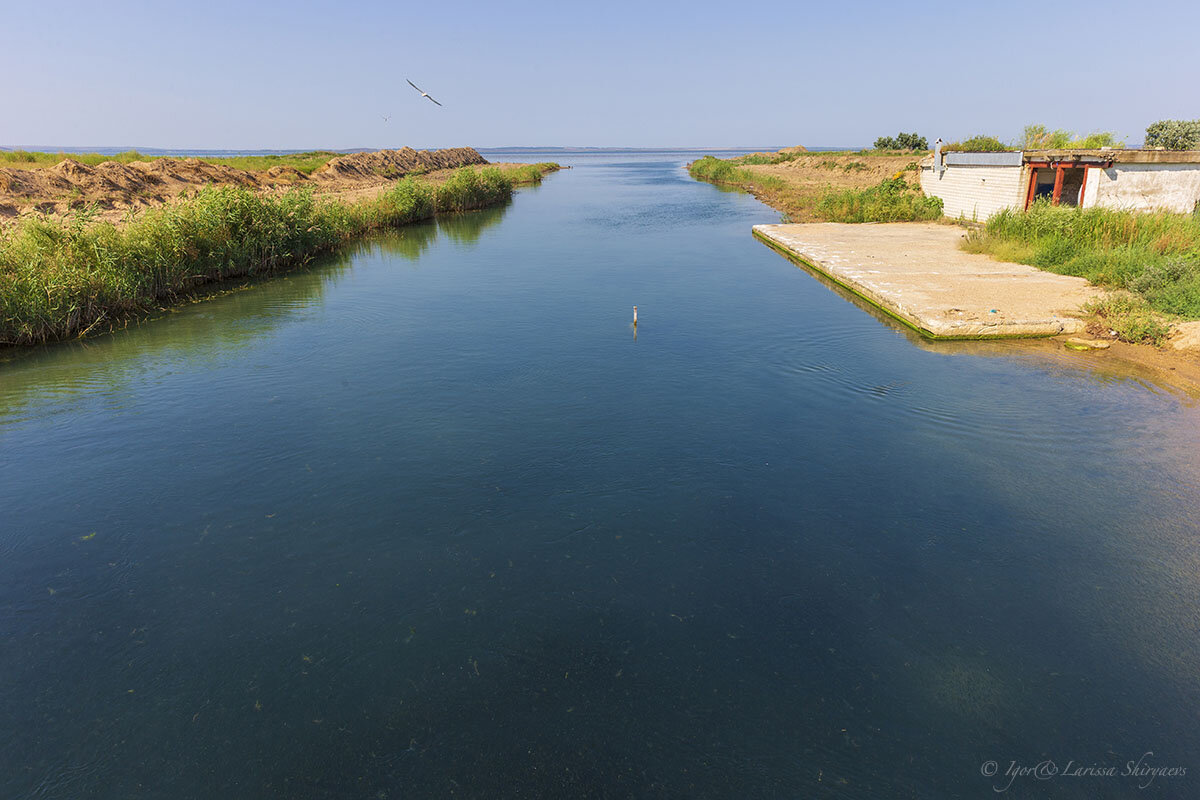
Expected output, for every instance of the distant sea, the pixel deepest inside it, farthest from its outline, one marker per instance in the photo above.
(215, 152)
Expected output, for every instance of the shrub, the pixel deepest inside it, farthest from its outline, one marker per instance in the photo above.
(1131, 319)
(1037, 137)
(979, 144)
(891, 200)
(1174, 134)
(902, 141)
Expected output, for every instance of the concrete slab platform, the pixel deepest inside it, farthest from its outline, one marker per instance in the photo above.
(916, 272)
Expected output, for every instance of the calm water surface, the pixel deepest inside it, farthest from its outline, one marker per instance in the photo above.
(427, 520)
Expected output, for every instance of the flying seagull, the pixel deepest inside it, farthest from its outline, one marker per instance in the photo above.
(423, 94)
(385, 119)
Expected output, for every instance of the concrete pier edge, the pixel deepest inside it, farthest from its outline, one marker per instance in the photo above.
(890, 310)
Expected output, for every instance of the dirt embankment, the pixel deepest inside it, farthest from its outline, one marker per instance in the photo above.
(364, 169)
(116, 187)
(810, 173)
(794, 179)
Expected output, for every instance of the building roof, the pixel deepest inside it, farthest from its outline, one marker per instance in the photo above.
(1101, 156)
(1117, 155)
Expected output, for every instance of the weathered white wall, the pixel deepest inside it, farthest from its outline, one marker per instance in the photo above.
(1091, 187)
(976, 192)
(1144, 187)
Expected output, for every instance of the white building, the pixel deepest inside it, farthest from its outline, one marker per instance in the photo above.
(977, 185)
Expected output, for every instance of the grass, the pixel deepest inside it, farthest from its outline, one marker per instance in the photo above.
(979, 144)
(760, 158)
(892, 200)
(1131, 319)
(67, 277)
(717, 170)
(783, 158)
(1038, 137)
(304, 162)
(1155, 256)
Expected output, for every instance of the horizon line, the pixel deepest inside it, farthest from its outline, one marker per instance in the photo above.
(43, 148)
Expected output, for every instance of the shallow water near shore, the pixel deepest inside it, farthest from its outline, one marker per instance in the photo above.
(430, 518)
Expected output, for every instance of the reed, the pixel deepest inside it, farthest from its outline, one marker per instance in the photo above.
(68, 277)
(1156, 255)
(891, 200)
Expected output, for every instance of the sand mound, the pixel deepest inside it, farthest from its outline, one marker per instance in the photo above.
(111, 185)
(289, 174)
(392, 164)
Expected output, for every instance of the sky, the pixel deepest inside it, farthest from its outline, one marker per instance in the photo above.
(312, 74)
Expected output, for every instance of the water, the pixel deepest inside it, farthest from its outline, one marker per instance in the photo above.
(427, 520)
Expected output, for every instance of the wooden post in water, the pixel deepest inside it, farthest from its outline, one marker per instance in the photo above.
(635, 316)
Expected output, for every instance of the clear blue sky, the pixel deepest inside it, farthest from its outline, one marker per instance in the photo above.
(308, 73)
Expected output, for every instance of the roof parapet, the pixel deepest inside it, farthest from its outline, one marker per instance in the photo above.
(1115, 155)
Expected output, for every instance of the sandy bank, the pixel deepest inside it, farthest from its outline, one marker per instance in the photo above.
(115, 187)
(796, 179)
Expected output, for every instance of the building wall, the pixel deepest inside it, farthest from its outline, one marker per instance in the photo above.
(976, 192)
(1145, 187)
(1091, 188)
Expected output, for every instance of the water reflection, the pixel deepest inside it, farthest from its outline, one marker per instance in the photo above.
(445, 530)
(228, 319)
(1102, 367)
(411, 242)
(466, 229)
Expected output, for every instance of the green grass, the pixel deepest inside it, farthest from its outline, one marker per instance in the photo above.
(826, 155)
(530, 173)
(730, 173)
(1154, 255)
(891, 200)
(1131, 319)
(758, 158)
(979, 144)
(67, 277)
(304, 162)
(1038, 137)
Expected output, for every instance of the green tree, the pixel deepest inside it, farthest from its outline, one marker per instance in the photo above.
(902, 141)
(1174, 134)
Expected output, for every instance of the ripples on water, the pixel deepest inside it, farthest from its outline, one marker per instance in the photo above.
(427, 520)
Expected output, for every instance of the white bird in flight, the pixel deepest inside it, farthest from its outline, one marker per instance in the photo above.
(385, 119)
(423, 94)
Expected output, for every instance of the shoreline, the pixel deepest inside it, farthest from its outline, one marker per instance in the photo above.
(769, 184)
(1176, 369)
(48, 183)
(916, 273)
(63, 277)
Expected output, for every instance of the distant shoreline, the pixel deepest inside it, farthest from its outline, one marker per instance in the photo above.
(201, 152)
